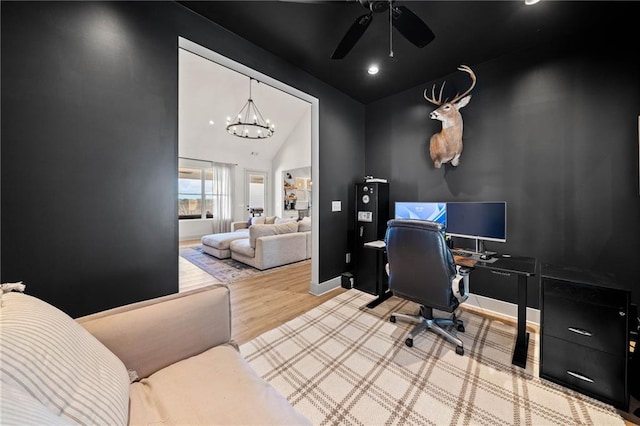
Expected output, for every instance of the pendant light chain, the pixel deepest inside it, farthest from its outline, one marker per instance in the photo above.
(390, 29)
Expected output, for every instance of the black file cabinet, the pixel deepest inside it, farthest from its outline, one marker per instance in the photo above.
(584, 339)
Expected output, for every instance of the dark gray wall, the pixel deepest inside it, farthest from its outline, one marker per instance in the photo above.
(89, 148)
(552, 131)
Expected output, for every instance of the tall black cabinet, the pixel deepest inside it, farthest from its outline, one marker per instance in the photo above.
(584, 341)
(372, 214)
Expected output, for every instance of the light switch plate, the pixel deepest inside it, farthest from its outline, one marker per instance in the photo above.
(336, 206)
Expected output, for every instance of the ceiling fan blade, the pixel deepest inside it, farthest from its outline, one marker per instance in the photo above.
(352, 36)
(411, 27)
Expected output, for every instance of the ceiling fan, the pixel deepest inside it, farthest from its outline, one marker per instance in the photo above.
(402, 19)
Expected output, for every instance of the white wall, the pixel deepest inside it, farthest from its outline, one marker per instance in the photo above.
(295, 153)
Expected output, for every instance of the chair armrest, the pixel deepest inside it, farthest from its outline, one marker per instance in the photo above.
(150, 335)
(460, 283)
(464, 270)
(238, 225)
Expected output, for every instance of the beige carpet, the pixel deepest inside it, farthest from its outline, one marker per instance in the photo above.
(344, 364)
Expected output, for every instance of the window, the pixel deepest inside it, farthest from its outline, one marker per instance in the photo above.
(195, 189)
(205, 191)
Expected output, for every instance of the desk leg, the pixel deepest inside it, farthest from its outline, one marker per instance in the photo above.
(522, 340)
(383, 294)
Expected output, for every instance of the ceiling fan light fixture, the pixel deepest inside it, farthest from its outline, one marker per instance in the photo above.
(249, 123)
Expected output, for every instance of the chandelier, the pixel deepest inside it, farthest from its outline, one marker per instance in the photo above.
(249, 122)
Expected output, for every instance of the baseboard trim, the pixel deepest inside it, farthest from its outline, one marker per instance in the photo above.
(482, 303)
(323, 287)
(502, 308)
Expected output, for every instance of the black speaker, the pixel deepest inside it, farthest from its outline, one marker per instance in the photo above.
(372, 214)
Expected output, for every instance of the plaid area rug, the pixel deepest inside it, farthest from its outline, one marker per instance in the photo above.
(344, 364)
(225, 270)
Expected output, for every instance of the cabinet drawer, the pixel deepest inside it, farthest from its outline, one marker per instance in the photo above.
(600, 327)
(585, 293)
(595, 373)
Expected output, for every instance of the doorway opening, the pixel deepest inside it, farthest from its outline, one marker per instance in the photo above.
(273, 176)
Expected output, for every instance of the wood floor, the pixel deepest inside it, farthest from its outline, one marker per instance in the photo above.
(263, 302)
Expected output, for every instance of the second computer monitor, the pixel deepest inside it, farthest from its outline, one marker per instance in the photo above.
(436, 212)
(478, 220)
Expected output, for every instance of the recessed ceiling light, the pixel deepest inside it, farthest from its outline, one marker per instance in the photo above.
(530, 2)
(373, 69)
(211, 122)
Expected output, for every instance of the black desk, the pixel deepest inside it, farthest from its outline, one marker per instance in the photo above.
(382, 286)
(523, 267)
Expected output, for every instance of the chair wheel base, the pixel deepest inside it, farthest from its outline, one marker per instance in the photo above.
(392, 319)
(461, 328)
(459, 350)
(409, 342)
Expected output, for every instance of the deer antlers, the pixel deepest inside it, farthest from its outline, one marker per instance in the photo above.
(458, 96)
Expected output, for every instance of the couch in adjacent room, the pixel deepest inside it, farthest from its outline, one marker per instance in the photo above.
(217, 245)
(274, 245)
(167, 361)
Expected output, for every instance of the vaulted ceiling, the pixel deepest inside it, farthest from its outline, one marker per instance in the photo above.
(306, 32)
(210, 93)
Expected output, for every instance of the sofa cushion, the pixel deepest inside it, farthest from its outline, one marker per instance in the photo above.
(243, 247)
(214, 387)
(222, 240)
(257, 231)
(304, 225)
(65, 370)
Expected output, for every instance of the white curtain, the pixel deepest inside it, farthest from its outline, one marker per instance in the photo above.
(223, 196)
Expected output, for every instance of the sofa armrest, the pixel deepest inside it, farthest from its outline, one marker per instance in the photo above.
(150, 335)
(239, 225)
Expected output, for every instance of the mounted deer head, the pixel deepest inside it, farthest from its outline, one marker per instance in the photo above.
(446, 146)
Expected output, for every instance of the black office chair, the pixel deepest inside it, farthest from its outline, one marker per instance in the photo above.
(421, 269)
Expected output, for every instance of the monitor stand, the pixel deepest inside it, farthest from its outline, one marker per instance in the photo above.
(480, 248)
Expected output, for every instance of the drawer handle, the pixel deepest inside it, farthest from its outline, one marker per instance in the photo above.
(506, 274)
(580, 331)
(579, 376)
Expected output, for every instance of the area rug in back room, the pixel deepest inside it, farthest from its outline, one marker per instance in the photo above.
(225, 270)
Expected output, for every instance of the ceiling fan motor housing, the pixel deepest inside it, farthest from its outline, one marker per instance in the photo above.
(375, 6)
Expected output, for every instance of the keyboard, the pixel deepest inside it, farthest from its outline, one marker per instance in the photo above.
(461, 253)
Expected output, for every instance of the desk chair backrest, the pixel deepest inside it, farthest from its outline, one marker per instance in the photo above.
(421, 266)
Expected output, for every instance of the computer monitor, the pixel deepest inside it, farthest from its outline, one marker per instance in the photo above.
(436, 212)
(486, 220)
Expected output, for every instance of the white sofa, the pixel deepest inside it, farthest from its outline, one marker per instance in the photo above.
(267, 243)
(167, 361)
(217, 245)
(274, 245)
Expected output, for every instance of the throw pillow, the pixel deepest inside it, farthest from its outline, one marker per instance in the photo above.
(285, 220)
(65, 369)
(257, 220)
(270, 220)
(304, 225)
(264, 230)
